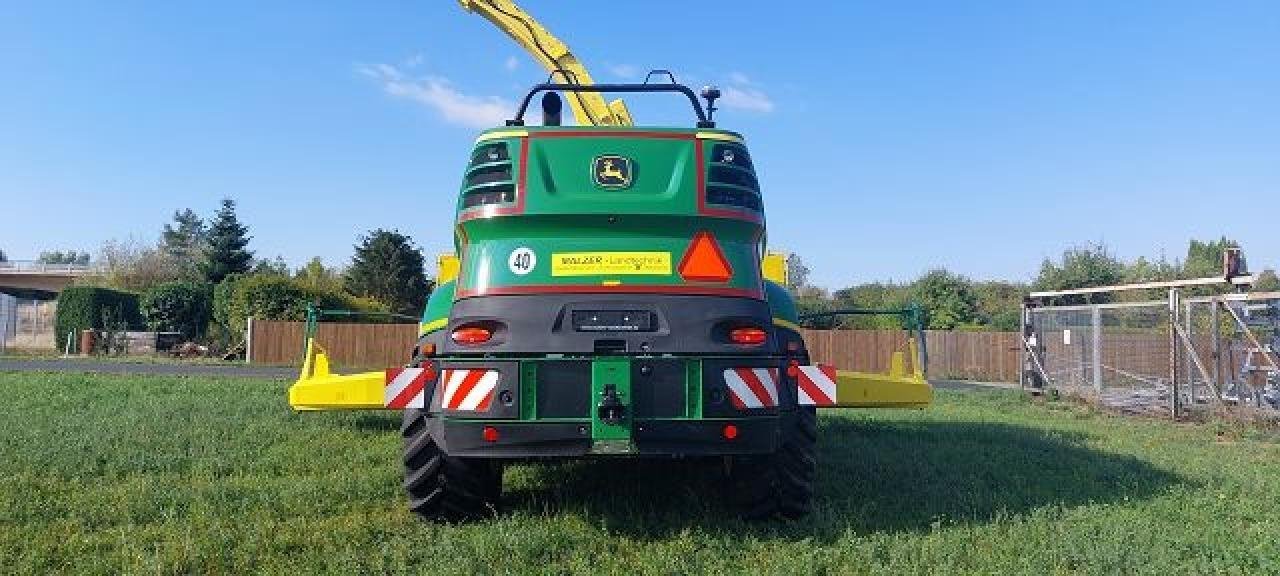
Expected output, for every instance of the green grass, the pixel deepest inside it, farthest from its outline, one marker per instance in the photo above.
(102, 474)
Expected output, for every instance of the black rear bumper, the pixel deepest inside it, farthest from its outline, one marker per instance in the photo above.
(515, 439)
(610, 374)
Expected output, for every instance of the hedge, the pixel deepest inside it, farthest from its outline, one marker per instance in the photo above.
(94, 308)
(179, 306)
(274, 297)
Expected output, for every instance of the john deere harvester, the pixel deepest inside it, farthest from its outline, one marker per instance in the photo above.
(610, 297)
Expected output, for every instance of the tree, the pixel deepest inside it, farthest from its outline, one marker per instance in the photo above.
(1266, 282)
(275, 267)
(873, 295)
(389, 268)
(228, 239)
(273, 297)
(130, 265)
(797, 273)
(1204, 259)
(999, 304)
(3, 257)
(69, 257)
(314, 275)
(185, 240)
(813, 300)
(179, 306)
(1081, 267)
(1143, 270)
(947, 300)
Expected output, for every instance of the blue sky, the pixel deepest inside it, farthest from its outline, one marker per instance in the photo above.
(892, 137)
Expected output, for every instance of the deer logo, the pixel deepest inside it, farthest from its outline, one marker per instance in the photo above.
(612, 171)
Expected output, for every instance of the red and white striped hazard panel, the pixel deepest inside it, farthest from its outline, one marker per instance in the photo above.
(406, 387)
(752, 387)
(817, 385)
(470, 390)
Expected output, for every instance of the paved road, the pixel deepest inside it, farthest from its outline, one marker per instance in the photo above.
(278, 372)
(111, 367)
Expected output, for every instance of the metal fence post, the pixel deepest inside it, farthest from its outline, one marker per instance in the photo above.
(1188, 350)
(1097, 350)
(248, 341)
(1175, 403)
(1216, 334)
(1022, 346)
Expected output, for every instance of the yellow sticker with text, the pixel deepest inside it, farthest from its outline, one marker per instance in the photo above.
(611, 263)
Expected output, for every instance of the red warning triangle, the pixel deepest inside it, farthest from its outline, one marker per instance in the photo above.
(703, 261)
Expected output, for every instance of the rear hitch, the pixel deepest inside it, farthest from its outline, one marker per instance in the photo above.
(611, 410)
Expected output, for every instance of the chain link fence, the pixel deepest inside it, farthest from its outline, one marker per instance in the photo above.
(1117, 354)
(1159, 357)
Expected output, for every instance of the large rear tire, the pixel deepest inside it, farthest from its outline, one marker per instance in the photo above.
(780, 484)
(442, 487)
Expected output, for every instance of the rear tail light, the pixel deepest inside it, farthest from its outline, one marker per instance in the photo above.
(490, 434)
(471, 335)
(749, 336)
(730, 432)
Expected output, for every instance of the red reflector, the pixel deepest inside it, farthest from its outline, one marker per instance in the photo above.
(793, 369)
(703, 261)
(750, 335)
(471, 335)
(730, 432)
(490, 434)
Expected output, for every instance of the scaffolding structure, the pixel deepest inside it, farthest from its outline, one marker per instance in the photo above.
(1157, 356)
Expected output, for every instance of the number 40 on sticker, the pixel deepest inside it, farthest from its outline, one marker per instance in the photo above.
(522, 261)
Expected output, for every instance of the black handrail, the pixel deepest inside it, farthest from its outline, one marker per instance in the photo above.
(624, 88)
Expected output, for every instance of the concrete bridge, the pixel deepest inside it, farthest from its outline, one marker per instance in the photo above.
(32, 275)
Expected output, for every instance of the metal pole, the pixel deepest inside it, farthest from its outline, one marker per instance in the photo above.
(1215, 333)
(1097, 351)
(922, 346)
(1175, 408)
(1188, 351)
(1022, 350)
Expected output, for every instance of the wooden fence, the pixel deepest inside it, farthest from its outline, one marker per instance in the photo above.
(348, 345)
(985, 356)
(989, 356)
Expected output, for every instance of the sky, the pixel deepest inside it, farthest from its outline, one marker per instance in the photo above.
(890, 137)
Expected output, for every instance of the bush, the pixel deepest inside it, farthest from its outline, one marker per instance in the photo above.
(94, 308)
(272, 297)
(180, 306)
(261, 296)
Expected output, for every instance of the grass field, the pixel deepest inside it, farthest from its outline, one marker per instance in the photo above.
(103, 474)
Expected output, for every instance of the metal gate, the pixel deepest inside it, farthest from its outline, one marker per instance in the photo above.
(1158, 356)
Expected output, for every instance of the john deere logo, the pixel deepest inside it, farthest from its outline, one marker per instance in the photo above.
(612, 171)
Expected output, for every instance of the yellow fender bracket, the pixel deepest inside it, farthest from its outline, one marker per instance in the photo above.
(317, 389)
(897, 389)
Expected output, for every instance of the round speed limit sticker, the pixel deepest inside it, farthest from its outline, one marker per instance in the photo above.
(521, 261)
